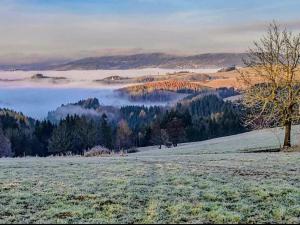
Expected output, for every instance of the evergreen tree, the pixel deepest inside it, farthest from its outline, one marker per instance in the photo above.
(156, 134)
(5, 146)
(106, 133)
(41, 135)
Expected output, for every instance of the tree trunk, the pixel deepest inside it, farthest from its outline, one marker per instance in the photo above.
(287, 137)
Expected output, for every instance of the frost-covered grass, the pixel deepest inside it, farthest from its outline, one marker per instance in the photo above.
(195, 183)
(246, 142)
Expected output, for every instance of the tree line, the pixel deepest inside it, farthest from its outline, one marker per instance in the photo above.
(191, 120)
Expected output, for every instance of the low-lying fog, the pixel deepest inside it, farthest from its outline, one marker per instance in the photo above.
(36, 98)
(78, 78)
(37, 102)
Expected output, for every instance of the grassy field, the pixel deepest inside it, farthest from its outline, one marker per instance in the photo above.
(215, 181)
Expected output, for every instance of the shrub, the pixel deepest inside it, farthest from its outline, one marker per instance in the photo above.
(97, 151)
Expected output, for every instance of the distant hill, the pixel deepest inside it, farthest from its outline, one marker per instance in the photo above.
(31, 66)
(161, 90)
(154, 60)
(166, 90)
(167, 85)
(147, 60)
(90, 108)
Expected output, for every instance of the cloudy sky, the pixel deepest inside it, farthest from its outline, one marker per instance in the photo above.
(37, 30)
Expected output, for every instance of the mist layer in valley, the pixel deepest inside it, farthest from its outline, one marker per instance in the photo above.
(79, 78)
(35, 93)
(37, 102)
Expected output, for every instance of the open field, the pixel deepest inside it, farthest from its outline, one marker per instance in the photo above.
(213, 181)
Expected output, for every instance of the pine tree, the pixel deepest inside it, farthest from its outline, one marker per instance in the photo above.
(106, 133)
(156, 134)
(5, 146)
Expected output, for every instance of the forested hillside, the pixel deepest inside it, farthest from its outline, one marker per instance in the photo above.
(167, 90)
(192, 119)
(159, 91)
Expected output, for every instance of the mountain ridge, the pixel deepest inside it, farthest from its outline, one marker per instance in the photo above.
(142, 60)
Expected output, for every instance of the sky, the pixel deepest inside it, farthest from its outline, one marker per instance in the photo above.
(42, 30)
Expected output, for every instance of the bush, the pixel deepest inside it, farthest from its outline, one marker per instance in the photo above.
(97, 151)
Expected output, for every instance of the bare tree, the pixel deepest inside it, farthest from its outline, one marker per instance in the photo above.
(271, 81)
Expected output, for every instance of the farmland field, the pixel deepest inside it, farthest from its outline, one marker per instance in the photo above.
(214, 181)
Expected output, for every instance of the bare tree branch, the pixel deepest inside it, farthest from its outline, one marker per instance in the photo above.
(272, 82)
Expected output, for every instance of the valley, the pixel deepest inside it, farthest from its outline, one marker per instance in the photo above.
(97, 78)
(21, 90)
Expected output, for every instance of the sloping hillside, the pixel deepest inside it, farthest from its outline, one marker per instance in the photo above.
(161, 90)
(166, 85)
(205, 182)
(246, 142)
(15, 118)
